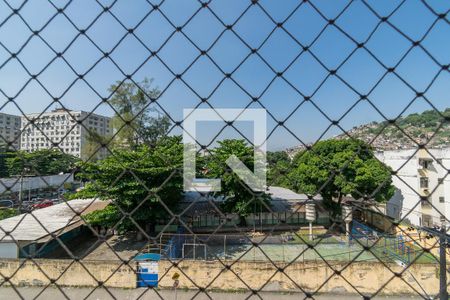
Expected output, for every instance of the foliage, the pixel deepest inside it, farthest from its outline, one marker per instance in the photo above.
(337, 168)
(7, 213)
(155, 128)
(136, 122)
(5, 153)
(239, 198)
(428, 118)
(41, 162)
(136, 178)
(429, 127)
(94, 145)
(107, 217)
(279, 165)
(85, 193)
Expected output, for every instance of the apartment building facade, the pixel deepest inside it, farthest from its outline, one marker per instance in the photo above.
(66, 130)
(423, 187)
(10, 130)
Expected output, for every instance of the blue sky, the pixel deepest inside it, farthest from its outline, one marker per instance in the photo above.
(304, 77)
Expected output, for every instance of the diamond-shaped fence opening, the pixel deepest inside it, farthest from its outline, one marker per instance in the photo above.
(134, 161)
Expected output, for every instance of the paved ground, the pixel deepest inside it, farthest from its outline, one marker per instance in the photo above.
(88, 247)
(289, 252)
(125, 247)
(7, 293)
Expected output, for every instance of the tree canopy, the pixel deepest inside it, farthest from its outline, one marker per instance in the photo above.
(279, 165)
(239, 198)
(136, 121)
(337, 168)
(5, 153)
(40, 162)
(136, 180)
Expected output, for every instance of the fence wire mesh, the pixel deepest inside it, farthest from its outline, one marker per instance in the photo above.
(98, 202)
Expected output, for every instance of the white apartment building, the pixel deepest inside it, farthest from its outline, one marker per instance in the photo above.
(62, 129)
(10, 130)
(421, 175)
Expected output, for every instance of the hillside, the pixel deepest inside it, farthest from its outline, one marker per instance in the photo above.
(427, 127)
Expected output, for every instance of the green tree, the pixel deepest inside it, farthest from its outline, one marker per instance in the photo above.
(337, 168)
(239, 198)
(8, 213)
(92, 150)
(41, 162)
(279, 165)
(5, 153)
(107, 217)
(136, 121)
(136, 179)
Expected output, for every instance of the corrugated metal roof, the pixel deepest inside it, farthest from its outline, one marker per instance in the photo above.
(55, 219)
(281, 193)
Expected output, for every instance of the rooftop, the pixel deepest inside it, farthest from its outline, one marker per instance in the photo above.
(282, 200)
(57, 219)
(281, 193)
(60, 111)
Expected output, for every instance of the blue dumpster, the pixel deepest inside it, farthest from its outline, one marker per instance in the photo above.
(147, 269)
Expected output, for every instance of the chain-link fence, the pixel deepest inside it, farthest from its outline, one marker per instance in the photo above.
(133, 134)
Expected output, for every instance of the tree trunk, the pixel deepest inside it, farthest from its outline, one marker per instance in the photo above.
(339, 200)
(336, 208)
(242, 221)
(139, 236)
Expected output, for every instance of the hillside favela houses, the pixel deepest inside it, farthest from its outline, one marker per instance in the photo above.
(67, 129)
(422, 183)
(423, 187)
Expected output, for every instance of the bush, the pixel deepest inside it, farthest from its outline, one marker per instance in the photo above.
(7, 213)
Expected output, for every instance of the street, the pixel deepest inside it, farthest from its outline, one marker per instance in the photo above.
(144, 294)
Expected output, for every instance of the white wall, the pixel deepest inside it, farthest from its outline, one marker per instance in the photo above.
(407, 197)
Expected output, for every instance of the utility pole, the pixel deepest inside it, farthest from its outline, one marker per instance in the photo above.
(443, 294)
(20, 194)
(24, 172)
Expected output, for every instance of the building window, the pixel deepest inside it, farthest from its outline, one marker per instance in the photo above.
(427, 220)
(441, 199)
(424, 163)
(423, 182)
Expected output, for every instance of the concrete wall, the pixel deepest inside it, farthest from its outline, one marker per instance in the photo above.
(31, 274)
(366, 277)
